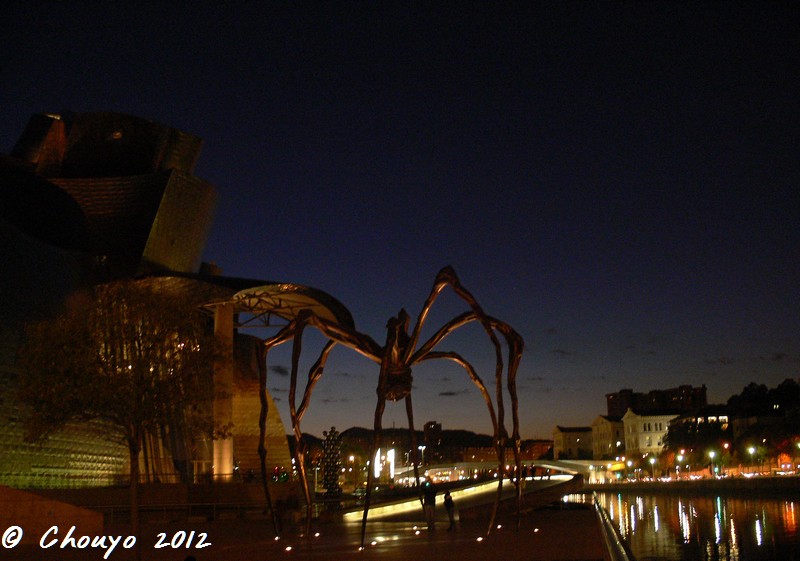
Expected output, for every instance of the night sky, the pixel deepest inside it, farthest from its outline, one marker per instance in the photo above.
(618, 181)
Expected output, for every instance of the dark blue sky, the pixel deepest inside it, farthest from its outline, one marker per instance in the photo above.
(619, 181)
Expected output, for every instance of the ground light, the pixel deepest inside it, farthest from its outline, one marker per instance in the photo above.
(391, 509)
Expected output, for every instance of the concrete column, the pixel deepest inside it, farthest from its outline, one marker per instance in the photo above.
(223, 382)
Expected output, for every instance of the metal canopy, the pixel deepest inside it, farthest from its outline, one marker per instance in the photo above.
(256, 306)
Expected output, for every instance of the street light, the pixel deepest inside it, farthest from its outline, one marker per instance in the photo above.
(797, 466)
(678, 465)
(752, 450)
(712, 454)
(653, 466)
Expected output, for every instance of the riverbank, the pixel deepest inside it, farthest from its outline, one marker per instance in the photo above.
(761, 486)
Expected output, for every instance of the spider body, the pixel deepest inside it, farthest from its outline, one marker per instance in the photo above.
(396, 358)
(398, 372)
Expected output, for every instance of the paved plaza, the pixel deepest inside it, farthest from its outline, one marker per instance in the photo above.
(550, 532)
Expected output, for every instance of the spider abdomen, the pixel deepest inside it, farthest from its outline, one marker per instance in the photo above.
(398, 382)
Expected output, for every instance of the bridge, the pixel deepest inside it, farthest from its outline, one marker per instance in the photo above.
(593, 471)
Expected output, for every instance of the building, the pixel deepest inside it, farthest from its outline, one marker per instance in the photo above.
(644, 433)
(682, 398)
(90, 198)
(572, 443)
(530, 450)
(711, 415)
(608, 438)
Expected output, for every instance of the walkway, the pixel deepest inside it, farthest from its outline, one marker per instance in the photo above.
(550, 530)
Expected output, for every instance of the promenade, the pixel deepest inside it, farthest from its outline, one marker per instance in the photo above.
(547, 534)
(549, 531)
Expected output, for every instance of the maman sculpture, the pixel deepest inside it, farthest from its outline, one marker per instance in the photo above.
(396, 358)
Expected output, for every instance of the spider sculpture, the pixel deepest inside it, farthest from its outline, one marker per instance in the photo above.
(396, 358)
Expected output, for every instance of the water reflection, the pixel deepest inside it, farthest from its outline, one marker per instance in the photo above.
(663, 527)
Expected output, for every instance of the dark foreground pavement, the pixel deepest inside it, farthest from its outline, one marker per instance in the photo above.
(551, 532)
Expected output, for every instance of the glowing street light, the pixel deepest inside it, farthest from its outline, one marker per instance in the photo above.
(713, 454)
(653, 466)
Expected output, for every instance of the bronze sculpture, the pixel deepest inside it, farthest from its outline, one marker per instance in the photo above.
(396, 358)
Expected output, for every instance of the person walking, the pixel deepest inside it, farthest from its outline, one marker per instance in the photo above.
(450, 507)
(429, 504)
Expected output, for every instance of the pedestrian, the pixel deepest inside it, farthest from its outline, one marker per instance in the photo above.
(450, 507)
(429, 504)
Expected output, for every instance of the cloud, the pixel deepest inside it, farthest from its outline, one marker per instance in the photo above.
(535, 378)
(724, 360)
(551, 331)
(562, 352)
(778, 357)
(335, 400)
(277, 390)
(280, 370)
(452, 394)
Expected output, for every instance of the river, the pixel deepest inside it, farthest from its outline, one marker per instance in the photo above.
(706, 528)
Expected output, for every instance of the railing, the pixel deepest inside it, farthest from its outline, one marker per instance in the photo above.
(615, 543)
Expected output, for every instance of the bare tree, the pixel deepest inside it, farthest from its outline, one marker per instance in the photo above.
(129, 353)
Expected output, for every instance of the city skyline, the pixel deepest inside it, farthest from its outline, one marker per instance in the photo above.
(617, 182)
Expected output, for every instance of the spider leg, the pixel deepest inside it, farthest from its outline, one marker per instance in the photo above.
(337, 334)
(314, 375)
(447, 277)
(515, 347)
(414, 455)
(498, 430)
(294, 331)
(376, 444)
(299, 448)
(383, 392)
(458, 359)
(297, 416)
(284, 335)
(262, 423)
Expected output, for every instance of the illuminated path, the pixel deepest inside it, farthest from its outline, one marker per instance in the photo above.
(467, 497)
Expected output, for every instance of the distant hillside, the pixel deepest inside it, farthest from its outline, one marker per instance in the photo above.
(356, 436)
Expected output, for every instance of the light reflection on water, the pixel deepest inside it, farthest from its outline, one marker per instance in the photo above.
(664, 527)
